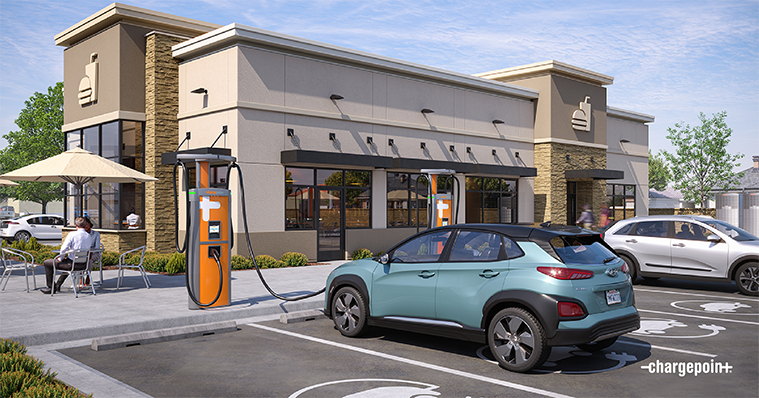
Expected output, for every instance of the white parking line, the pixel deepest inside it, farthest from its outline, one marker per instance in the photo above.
(658, 347)
(416, 363)
(699, 316)
(741, 297)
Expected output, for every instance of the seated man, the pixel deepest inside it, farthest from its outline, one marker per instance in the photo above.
(77, 240)
(685, 232)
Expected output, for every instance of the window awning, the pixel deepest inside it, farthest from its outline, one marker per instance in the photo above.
(316, 158)
(595, 174)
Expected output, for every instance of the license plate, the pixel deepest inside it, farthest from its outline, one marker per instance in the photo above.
(613, 297)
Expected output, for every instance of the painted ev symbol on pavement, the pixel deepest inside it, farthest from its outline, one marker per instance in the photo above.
(583, 362)
(370, 388)
(711, 307)
(657, 327)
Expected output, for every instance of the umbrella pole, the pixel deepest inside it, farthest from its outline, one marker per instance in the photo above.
(81, 202)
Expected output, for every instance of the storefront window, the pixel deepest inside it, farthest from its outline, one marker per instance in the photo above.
(491, 200)
(620, 199)
(305, 189)
(106, 204)
(406, 200)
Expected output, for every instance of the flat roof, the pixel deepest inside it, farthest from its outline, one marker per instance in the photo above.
(117, 12)
(237, 34)
(545, 67)
(629, 115)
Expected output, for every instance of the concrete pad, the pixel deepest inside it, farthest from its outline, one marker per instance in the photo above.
(156, 336)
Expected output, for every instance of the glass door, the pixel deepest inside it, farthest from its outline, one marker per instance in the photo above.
(331, 230)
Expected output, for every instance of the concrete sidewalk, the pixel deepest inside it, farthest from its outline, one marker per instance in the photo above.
(46, 324)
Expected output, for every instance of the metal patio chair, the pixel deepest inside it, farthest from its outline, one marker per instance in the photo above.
(25, 262)
(77, 275)
(138, 266)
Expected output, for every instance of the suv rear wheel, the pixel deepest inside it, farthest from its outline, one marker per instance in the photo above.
(517, 340)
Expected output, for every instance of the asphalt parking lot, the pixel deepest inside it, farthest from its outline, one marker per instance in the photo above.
(692, 343)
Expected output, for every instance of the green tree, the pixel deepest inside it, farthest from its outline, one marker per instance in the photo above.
(39, 137)
(658, 172)
(701, 162)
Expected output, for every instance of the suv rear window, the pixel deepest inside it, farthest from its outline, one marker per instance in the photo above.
(581, 250)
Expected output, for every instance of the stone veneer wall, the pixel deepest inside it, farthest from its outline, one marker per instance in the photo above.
(161, 126)
(116, 241)
(551, 184)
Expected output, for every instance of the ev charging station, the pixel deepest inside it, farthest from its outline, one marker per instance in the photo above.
(444, 207)
(209, 233)
(209, 237)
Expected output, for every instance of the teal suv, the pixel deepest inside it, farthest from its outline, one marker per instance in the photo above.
(519, 289)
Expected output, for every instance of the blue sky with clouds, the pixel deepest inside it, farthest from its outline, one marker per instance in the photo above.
(669, 59)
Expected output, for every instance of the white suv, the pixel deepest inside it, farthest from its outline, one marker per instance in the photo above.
(687, 247)
(40, 226)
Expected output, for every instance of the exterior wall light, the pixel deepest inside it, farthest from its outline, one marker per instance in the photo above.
(494, 154)
(468, 149)
(199, 90)
(369, 140)
(336, 97)
(331, 136)
(624, 140)
(498, 121)
(427, 110)
(423, 146)
(390, 142)
(452, 148)
(290, 132)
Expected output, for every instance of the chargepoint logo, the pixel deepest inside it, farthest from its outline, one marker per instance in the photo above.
(688, 368)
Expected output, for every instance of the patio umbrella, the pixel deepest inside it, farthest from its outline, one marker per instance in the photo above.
(77, 167)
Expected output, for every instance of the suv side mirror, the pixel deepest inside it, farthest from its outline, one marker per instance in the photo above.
(713, 238)
(384, 258)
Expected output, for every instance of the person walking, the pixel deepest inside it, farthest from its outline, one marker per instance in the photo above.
(586, 218)
(77, 240)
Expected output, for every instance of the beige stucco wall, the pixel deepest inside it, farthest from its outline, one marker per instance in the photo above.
(121, 56)
(630, 157)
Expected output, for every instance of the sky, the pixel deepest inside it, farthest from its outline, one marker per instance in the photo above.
(669, 59)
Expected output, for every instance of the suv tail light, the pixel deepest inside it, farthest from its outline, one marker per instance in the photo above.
(570, 309)
(565, 273)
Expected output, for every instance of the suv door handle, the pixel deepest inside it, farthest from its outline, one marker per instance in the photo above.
(679, 244)
(631, 241)
(426, 274)
(489, 273)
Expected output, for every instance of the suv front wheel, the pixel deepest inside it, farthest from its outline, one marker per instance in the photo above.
(517, 340)
(349, 312)
(747, 279)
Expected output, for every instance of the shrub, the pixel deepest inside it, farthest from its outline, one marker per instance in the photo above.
(110, 258)
(267, 261)
(293, 259)
(8, 345)
(154, 261)
(33, 245)
(361, 253)
(176, 264)
(240, 262)
(19, 244)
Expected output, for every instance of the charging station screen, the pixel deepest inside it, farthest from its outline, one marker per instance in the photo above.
(214, 230)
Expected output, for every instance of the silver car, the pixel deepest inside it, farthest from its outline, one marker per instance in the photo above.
(687, 247)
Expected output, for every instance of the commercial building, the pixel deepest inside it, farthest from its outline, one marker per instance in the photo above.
(332, 140)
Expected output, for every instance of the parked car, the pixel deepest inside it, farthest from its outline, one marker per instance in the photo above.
(7, 212)
(40, 226)
(687, 247)
(519, 289)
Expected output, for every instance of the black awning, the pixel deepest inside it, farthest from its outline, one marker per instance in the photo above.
(296, 156)
(595, 174)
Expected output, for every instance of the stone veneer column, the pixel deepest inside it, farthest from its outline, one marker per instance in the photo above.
(551, 184)
(161, 127)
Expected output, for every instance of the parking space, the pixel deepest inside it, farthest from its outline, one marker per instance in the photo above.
(692, 342)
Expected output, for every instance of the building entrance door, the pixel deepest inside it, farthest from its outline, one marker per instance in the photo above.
(571, 203)
(331, 230)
